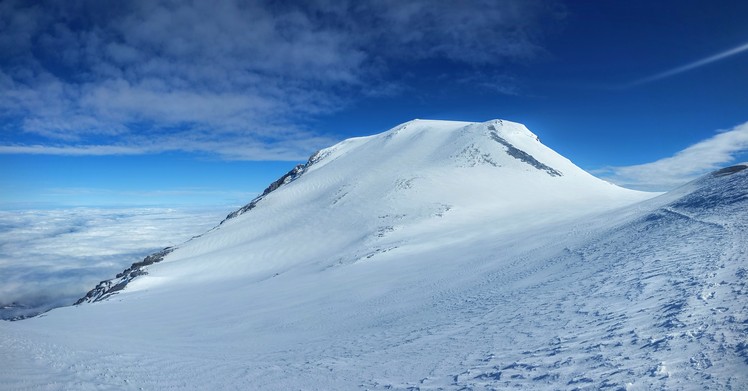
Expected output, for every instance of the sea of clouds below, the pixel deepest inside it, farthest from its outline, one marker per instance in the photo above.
(50, 258)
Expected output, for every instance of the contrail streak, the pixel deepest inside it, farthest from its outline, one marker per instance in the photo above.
(693, 65)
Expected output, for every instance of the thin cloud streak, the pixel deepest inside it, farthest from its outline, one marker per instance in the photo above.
(686, 165)
(696, 64)
(247, 148)
(87, 150)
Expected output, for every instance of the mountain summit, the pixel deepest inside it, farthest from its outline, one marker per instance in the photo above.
(435, 256)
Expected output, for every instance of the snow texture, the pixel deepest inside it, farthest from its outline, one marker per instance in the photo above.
(429, 257)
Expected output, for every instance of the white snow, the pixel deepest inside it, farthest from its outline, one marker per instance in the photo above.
(431, 256)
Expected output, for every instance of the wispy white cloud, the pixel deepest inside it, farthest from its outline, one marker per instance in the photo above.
(696, 160)
(50, 258)
(286, 145)
(71, 150)
(236, 78)
(690, 66)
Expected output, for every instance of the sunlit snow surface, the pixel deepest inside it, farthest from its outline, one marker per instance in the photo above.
(428, 257)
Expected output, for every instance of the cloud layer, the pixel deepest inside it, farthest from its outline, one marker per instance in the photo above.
(686, 165)
(50, 258)
(237, 78)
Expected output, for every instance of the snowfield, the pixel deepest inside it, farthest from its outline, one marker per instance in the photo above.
(435, 256)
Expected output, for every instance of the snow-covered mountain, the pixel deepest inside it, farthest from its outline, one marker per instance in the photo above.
(389, 193)
(437, 255)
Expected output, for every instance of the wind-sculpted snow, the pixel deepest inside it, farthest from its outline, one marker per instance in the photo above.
(400, 262)
(719, 190)
(654, 303)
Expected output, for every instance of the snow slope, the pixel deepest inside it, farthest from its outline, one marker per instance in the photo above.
(437, 255)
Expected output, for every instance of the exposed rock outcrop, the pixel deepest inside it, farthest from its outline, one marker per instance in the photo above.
(106, 288)
(287, 178)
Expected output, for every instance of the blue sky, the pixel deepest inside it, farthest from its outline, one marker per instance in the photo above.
(202, 103)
